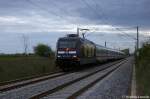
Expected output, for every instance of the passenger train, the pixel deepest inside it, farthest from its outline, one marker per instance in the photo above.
(73, 51)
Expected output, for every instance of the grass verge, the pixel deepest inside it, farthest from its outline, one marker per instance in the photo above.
(18, 67)
(143, 71)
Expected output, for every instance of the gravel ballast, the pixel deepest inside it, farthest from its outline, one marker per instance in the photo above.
(114, 86)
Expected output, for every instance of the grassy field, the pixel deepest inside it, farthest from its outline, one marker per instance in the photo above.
(16, 67)
(143, 71)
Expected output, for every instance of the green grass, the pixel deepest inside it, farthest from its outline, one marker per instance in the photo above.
(143, 70)
(17, 67)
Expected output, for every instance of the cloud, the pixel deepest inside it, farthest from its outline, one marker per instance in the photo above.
(64, 16)
(41, 13)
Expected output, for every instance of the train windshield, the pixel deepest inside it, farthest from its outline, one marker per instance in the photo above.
(67, 44)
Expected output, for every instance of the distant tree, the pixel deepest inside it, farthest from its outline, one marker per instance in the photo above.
(43, 50)
(126, 51)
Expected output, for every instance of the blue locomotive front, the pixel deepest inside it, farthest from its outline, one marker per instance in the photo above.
(73, 51)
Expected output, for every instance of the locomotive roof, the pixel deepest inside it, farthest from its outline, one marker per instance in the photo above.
(76, 38)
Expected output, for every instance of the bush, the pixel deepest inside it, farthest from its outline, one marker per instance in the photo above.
(43, 50)
(143, 70)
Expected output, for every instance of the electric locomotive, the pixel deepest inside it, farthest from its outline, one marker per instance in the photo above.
(73, 51)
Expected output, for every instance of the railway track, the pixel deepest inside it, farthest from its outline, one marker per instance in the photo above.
(92, 78)
(23, 82)
(51, 85)
(26, 78)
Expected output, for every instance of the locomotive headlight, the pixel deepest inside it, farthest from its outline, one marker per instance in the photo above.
(74, 56)
(58, 56)
(72, 52)
(61, 52)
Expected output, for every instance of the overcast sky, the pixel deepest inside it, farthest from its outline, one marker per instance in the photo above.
(46, 20)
